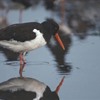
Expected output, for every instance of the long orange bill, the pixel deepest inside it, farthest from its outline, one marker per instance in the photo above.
(60, 84)
(59, 40)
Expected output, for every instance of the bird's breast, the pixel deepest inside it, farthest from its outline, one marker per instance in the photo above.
(35, 43)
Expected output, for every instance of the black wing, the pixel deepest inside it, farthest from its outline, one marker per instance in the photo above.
(17, 95)
(20, 32)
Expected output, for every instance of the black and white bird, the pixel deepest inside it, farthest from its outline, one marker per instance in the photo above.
(27, 89)
(25, 37)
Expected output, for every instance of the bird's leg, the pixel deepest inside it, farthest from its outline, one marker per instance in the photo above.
(22, 64)
(22, 59)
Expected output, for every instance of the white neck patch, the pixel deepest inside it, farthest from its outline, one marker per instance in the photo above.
(37, 32)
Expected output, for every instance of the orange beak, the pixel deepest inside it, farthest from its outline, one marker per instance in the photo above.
(59, 41)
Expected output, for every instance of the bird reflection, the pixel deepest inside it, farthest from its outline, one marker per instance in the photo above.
(27, 89)
(62, 66)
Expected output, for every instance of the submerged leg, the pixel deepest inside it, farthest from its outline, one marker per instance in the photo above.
(21, 69)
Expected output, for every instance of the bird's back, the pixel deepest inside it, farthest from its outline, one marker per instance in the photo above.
(19, 32)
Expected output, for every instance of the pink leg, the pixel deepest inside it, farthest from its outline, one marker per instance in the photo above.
(22, 64)
(22, 59)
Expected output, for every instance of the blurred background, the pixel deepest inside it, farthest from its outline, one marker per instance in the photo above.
(79, 22)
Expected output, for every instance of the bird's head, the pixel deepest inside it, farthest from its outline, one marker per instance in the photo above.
(51, 28)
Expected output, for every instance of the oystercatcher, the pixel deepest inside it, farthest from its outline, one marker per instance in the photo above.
(27, 89)
(25, 37)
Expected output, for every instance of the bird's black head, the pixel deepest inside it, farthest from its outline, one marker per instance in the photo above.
(50, 27)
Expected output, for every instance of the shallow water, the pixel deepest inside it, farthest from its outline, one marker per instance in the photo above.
(82, 80)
